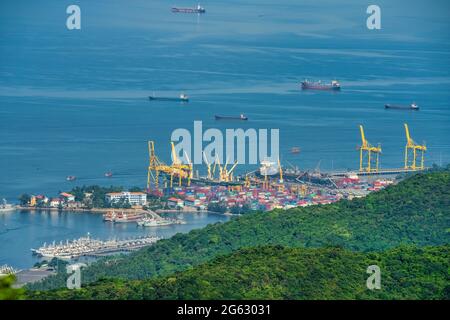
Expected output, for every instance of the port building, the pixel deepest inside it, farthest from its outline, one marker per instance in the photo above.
(133, 198)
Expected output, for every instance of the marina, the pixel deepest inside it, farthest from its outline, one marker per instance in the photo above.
(86, 246)
(34, 228)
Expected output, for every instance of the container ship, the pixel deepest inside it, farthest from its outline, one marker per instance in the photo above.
(182, 98)
(334, 85)
(198, 9)
(412, 106)
(241, 117)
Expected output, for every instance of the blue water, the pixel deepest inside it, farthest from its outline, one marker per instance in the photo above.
(75, 102)
(22, 230)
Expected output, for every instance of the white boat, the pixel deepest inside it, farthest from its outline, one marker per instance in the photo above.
(4, 207)
(152, 222)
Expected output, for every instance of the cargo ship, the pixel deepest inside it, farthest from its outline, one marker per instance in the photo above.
(198, 9)
(241, 117)
(412, 106)
(334, 85)
(182, 98)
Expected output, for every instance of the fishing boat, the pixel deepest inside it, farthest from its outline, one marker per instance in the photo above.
(71, 178)
(334, 85)
(108, 174)
(241, 117)
(198, 9)
(412, 106)
(182, 98)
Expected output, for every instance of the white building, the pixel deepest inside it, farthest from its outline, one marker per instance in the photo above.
(134, 198)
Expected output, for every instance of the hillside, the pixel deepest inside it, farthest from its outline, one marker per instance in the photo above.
(289, 273)
(416, 211)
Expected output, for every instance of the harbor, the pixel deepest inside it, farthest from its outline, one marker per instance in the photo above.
(34, 228)
(86, 246)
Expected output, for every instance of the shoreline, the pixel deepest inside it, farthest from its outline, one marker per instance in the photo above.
(92, 210)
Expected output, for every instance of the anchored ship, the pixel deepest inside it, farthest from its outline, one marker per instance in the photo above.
(412, 106)
(87, 246)
(241, 117)
(182, 98)
(334, 85)
(198, 9)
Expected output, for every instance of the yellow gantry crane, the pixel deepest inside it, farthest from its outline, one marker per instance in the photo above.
(177, 169)
(367, 149)
(412, 147)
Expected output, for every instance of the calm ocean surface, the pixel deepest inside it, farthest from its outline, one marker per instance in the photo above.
(75, 102)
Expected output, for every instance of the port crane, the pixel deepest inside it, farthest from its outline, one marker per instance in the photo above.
(413, 147)
(156, 167)
(208, 166)
(367, 149)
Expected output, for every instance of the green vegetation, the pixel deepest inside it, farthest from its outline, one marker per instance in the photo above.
(416, 211)
(219, 207)
(24, 199)
(7, 292)
(94, 196)
(288, 273)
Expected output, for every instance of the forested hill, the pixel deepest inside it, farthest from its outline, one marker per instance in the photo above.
(288, 273)
(416, 211)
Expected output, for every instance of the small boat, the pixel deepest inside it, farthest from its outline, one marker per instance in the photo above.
(4, 207)
(182, 98)
(241, 117)
(71, 178)
(295, 150)
(108, 174)
(334, 85)
(198, 9)
(412, 106)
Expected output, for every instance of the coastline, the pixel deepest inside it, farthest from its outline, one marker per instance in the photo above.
(92, 210)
